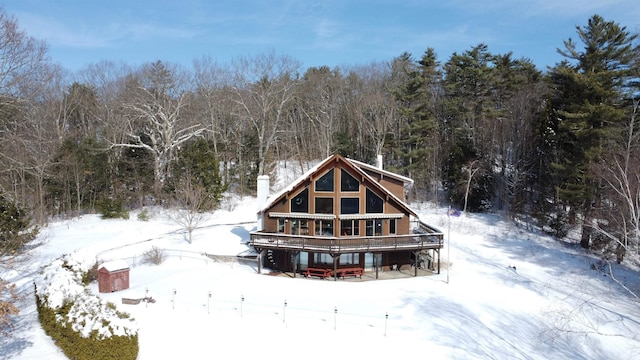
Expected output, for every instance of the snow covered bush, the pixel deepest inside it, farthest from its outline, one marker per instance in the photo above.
(82, 324)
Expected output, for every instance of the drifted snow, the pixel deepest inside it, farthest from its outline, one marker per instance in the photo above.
(553, 305)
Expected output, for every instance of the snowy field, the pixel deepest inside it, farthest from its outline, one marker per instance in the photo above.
(553, 305)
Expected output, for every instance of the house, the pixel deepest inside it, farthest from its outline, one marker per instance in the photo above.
(343, 217)
(113, 276)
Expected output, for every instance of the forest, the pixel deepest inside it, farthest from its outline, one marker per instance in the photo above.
(555, 149)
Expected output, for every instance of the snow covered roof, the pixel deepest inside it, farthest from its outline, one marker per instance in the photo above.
(357, 165)
(390, 174)
(115, 265)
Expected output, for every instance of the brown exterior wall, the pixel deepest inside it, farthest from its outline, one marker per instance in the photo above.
(112, 281)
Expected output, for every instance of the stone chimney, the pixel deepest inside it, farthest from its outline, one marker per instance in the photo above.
(262, 196)
(379, 161)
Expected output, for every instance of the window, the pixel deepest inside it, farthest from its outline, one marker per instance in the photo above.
(374, 227)
(299, 227)
(348, 182)
(324, 205)
(325, 182)
(322, 259)
(300, 203)
(392, 226)
(349, 259)
(324, 227)
(375, 204)
(349, 205)
(350, 227)
(280, 225)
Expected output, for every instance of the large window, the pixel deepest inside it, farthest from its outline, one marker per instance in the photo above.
(325, 182)
(300, 203)
(324, 227)
(350, 227)
(375, 204)
(348, 182)
(349, 205)
(349, 259)
(324, 205)
(374, 227)
(280, 225)
(324, 259)
(299, 227)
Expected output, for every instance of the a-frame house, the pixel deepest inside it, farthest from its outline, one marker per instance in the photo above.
(343, 217)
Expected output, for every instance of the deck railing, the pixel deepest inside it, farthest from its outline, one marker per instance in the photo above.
(422, 237)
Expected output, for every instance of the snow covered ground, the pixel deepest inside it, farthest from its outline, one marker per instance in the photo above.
(552, 305)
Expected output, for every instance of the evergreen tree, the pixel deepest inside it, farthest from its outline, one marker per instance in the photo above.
(15, 227)
(198, 165)
(418, 95)
(466, 128)
(588, 90)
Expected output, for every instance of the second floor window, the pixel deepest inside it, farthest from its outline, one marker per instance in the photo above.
(375, 204)
(348, 183)
(323, 205)
(300, 202)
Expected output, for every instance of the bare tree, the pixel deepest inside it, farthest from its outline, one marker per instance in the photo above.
(376, 112)
(621, 174)
(471, 170)
(192, 199)
(263, 87)
(155, 122)
(8, 297)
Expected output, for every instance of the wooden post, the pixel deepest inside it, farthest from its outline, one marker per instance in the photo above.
(260, 254)
(376, 264)
(295, 262)
(335, 266)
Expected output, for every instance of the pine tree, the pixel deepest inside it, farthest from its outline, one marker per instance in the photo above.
(588, 90)
(418, 96)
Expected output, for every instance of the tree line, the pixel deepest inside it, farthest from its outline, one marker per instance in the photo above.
(555, 148)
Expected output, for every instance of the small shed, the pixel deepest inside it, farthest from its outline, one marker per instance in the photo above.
(113, 276)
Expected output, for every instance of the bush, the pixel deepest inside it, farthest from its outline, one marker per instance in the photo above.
(155, 256)
(76, 346)
(143, 215)
(90, 275)
(81, 324)
(112, 209)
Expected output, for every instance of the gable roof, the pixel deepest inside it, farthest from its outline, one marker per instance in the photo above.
(352, 164)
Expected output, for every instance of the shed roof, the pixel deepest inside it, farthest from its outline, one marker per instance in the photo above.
(115, 265)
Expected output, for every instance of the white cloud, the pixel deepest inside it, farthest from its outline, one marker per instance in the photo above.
(80, 35)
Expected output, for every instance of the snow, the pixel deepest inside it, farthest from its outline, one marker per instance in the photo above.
(508, 293)
(115, 265)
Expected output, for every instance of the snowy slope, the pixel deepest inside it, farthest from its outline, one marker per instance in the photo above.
(553, 305)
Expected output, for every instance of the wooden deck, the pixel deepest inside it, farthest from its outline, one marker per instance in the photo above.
(421, 238)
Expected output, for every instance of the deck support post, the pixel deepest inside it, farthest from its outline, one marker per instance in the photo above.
(377, 259)
(295, 262)
(260, 254)
(335, 258)
(416, 262)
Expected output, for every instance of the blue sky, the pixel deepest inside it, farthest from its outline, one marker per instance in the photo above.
(315, 32)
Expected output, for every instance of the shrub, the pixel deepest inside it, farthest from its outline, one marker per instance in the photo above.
(90, 275)
(143, 215)
(155, 256)
(112, 209)
(82, 325)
